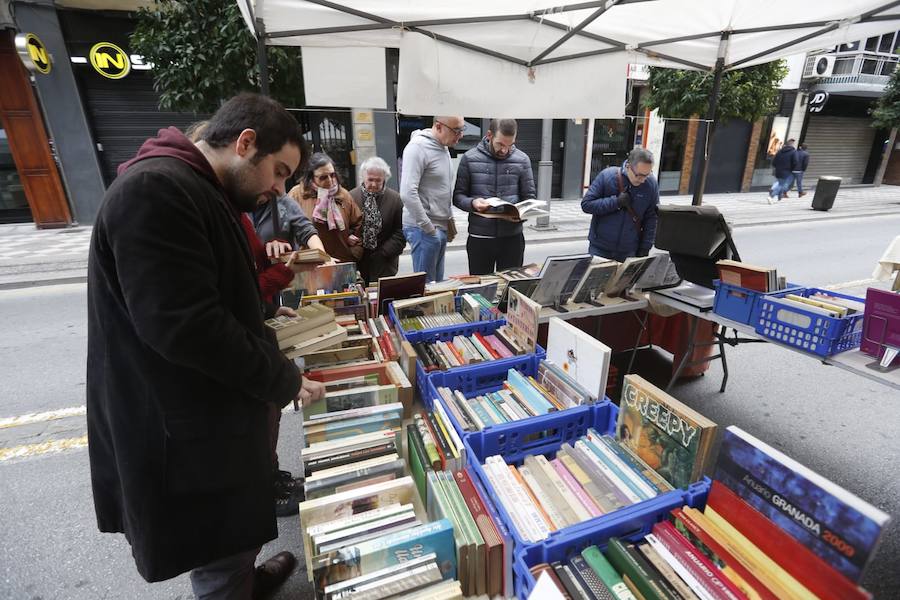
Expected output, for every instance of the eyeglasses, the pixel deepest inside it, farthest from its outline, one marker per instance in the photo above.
(456, 130)
(637, 175)
(326, 177)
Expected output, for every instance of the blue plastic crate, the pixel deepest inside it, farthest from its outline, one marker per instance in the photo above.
(417, 335)
(632, 527)
(533, 437)
(741, 304)
(806, 330)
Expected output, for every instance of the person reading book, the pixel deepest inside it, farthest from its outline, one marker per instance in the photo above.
(494, 168)
(622, 202)
(181, 370)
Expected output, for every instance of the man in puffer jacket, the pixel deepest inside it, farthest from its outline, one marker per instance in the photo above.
(494, 168)
(623, 202)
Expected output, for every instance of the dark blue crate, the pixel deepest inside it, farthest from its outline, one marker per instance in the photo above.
(806, 330)
(631, 527)
(418, 335)
(741, 304)
(545, 436)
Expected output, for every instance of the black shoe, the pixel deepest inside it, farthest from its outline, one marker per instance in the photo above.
(272, 573)
(287, 503)
(284, 480)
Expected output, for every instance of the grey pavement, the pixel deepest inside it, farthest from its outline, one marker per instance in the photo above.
(29, 256)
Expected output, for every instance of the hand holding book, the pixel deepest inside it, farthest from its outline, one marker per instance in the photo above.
(310, 391)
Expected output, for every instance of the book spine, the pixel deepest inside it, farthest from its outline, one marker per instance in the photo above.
(583, 480)
(666, 570)
(487, 401)
(701, 568)
(607, 573)
(528, 523)
(622, 471)
(589, 450)
(542, 498)
(573, 485)
(655, 484)
(431, 450)
(487, 346)
(440, 441)
(612, 498)
(645, 580)
(479, 410)
(581, 513)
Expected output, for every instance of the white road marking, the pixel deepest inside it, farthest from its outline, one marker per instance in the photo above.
(52, 415)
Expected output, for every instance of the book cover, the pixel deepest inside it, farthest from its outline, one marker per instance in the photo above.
(626, 275)
(325, 278)
(672, 438)
(594, 280)
(837, 525)
(706, 573)
(624, 558)
(666, 570)
(798, 560)
(579, 355)
(589, 579)
(492, 540)
(607, 573)
(523, 315)
(518, 212)
(881, 324)
(559, 277)
(372, 395)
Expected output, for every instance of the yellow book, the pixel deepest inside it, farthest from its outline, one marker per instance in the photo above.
(766, 570)
(840, 310)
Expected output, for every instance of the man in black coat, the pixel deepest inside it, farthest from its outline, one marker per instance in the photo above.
(783, 165)
(180, 367)
(798, 168)
(494, 168)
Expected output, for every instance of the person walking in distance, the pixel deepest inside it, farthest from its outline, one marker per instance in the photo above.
(799, 165)
(426, 192)
(181, 370)
(494, 168)
(783, 164)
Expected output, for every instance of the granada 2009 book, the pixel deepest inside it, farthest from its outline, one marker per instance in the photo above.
(672, 438)
(835, 524)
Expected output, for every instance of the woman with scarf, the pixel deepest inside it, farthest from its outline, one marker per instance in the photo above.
(382, 232)
(337, 218)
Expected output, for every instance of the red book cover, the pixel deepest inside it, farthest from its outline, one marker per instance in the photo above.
(795, 558)
(745, 278)
(704, 571)
(487, 345)
(492, 540)
(695, 534)
(453, 350)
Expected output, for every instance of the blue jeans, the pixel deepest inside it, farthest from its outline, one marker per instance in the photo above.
(427, 251)
(798, 178)
(781, 186)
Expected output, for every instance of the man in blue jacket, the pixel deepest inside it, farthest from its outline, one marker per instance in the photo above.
(495, 168)
(622, 202)
(783, 164)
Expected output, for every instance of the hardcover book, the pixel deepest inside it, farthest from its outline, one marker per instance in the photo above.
(324, 278)
(579, 355)
(501, 209)
(559, 278)
(835, 524)
(523, 315)
(881, 324)
(399, 287)
(672, 438)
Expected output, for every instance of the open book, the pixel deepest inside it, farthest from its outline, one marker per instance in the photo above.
(501, 209)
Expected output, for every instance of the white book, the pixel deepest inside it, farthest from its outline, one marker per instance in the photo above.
(579, 355)
(607, 472)
(568, 496)
(375, 576)
(363, 517)
(637, 482)
(398, 583)
(679, 568)
(353, 413)
(513, 405)
(325, 538)
(518, 501)
(455, 440)
(348, 468)
(548, 505)
(362, 440)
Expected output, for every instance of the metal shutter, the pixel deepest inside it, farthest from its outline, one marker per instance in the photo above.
(838, 146)
(528, 140)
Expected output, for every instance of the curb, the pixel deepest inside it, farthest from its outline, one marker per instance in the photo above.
(16, 285)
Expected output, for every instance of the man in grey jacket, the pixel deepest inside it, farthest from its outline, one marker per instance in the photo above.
(426, 192)
(495, 168)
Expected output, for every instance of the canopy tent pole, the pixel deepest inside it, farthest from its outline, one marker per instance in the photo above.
(707, 127)
(262, 58)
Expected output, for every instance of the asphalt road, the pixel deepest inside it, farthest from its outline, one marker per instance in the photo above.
(840, 425)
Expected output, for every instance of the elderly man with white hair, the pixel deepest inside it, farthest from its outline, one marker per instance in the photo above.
(382, 232)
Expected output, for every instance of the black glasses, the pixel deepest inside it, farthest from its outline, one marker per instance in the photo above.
(639, 175)
(456, 130)
(326, 177)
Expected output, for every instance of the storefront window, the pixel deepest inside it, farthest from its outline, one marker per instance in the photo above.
(672, 158)
(13, 205)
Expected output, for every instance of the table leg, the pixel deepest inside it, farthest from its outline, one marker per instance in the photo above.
(644, 325)
(720, 333)
(689, 351)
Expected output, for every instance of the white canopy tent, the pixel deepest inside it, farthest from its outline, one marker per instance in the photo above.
(539, 59)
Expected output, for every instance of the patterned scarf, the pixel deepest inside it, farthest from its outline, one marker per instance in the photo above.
(371, 219)
(327, 209)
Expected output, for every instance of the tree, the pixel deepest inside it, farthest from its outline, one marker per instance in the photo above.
(886, 114)
(203, 53)
(748, 93)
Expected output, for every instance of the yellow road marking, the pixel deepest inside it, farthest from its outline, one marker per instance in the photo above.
(74, 411)
(48, 447)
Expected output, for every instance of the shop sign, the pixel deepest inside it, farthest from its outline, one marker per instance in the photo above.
(817, 101)
(109, 60)
(33, 53)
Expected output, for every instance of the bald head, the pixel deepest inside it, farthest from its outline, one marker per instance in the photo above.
(448, 130)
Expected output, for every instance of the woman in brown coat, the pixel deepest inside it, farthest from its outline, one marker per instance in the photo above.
(337, 217)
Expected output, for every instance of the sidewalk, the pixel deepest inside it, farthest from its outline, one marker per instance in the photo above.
(29, 256)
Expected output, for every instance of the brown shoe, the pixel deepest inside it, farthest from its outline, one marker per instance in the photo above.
(272, 573)
(801, 194)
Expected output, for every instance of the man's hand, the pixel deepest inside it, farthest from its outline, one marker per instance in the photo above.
(276, 248)
(310, 391)
(624, 200)
(286, 311)
(480, 204)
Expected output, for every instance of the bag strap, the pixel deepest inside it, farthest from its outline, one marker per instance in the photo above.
(635, 220)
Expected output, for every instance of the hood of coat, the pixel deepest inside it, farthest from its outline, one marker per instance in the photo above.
(172, 143)
(426, 139)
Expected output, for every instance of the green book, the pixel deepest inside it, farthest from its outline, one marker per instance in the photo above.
(628, 562)
(418, 462)
(607, 573)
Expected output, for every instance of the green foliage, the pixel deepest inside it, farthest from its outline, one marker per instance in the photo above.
(745, 93)
(886, 113)
(203, 53)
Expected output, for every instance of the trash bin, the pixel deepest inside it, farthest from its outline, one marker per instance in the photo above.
(826, 191)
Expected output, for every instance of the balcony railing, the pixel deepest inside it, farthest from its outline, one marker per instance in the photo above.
(865, 68)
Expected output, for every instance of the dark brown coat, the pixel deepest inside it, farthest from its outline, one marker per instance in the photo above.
(384, 260)
(336, 242)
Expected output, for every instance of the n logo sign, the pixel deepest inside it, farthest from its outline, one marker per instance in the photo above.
(33, 53)
(110, 61)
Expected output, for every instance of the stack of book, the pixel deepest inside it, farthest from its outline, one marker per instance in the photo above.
(659, 444)
(432, 321)
(369, 373)
(464, 350)
(479, 544)
(385, 343)
(422, 311)
(475, 307)
(432, 445)
(825, 304)
(521, 397)
(771, 529)
(307, 256)
(376, 541)
(751, 277)
(314, 328)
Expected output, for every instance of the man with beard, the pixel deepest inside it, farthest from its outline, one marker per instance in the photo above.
(495, 168)
(180, 367)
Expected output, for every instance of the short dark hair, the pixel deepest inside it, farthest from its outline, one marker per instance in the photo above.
(504, 127)
(319, 159)
(274, 126)
(803, 146)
